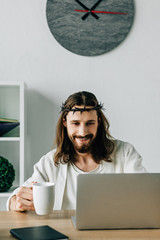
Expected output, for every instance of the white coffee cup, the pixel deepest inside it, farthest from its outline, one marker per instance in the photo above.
(43, 197)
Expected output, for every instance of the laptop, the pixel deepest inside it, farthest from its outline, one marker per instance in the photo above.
(117, 201)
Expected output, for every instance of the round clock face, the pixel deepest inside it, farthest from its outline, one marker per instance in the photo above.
(89, 27)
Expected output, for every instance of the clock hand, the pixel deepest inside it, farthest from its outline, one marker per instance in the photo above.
(82, 5)
(101, 12)
(86, 15)
(110, 12)
(87, 9)
(92, 13)
(96, 4)
(89, 12)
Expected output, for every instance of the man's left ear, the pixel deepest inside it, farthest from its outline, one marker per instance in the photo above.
(64, 122)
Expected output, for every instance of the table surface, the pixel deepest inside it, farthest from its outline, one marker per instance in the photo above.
(61, 221)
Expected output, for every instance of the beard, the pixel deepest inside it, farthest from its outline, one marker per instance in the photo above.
(83, 147)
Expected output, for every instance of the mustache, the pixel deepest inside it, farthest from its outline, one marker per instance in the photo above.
(88, 136)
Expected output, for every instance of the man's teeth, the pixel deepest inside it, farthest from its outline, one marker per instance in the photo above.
(83, 138)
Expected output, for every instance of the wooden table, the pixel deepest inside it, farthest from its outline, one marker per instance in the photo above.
(61, 221)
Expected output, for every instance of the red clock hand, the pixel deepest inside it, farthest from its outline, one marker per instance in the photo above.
(77, 10)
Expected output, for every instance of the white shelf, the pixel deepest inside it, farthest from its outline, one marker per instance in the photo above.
(11, 83)
(12, 145)
(9, 139)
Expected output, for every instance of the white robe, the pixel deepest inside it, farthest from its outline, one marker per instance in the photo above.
(125, 160)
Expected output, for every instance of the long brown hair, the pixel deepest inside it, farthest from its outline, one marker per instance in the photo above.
(103, 145)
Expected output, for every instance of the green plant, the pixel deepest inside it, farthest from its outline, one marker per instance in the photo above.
(7, 174)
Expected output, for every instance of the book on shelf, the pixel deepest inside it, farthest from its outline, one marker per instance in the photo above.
(5, 127)
(8, 120)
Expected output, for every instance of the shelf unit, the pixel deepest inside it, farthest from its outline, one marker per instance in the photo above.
(12, 143)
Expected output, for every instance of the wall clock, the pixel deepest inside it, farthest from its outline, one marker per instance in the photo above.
(90, 27)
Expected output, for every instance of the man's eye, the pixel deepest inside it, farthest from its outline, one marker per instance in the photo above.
(75, 123)
(90, 123)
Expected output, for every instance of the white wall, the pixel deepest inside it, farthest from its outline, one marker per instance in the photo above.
(126, 79)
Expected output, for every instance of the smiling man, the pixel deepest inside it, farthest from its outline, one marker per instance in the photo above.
(84, 145)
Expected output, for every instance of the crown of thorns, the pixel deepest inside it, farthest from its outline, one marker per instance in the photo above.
(97, 107)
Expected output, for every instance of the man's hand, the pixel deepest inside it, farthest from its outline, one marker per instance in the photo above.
(23, 200)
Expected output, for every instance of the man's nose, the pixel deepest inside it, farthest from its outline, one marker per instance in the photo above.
(82, 130)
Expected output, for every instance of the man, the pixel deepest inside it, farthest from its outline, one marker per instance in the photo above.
(84, 145)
